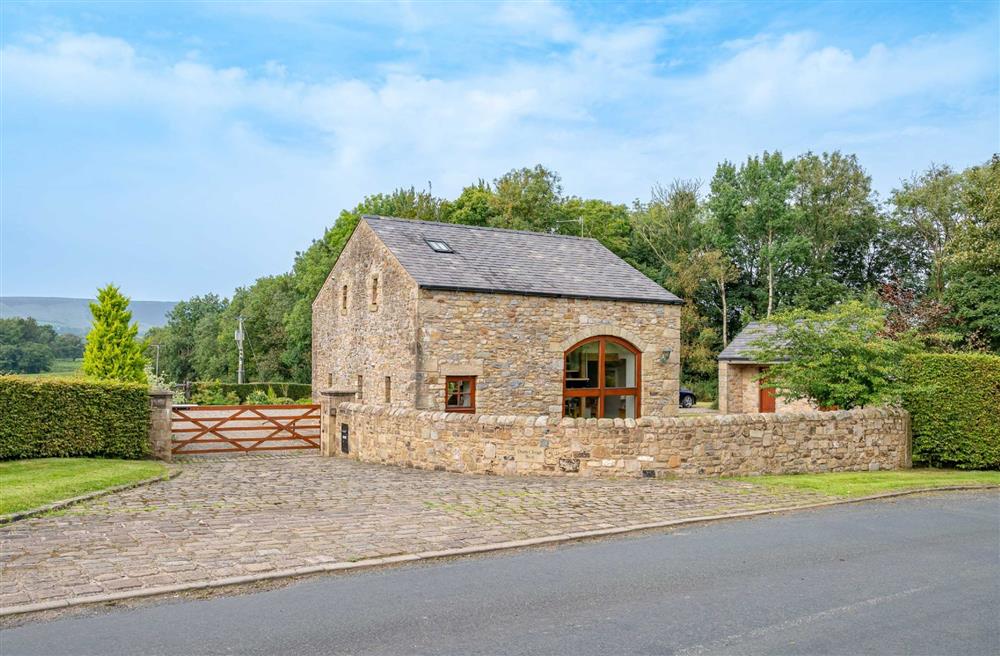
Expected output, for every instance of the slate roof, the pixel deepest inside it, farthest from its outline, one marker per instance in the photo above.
(738, 350)
(514, 262)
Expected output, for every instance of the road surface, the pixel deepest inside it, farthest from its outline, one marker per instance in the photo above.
(917, 575)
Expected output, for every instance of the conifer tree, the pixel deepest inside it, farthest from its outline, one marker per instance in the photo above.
(113, 352)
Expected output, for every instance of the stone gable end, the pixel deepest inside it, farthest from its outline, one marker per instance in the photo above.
(373, 338)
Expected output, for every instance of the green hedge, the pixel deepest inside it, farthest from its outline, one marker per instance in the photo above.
(58, 417)
(954, 400)
(290, 390)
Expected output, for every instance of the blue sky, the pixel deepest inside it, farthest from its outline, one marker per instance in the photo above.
(183, 148)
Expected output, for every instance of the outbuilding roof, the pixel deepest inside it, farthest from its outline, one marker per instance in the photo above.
(475, 258)
(740, 348)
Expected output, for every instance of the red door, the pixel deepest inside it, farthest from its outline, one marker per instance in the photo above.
(766, 397)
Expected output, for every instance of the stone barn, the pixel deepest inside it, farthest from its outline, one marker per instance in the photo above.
(467, 319)
(740, 388)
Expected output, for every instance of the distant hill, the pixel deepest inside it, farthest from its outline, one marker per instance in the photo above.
(72, 315)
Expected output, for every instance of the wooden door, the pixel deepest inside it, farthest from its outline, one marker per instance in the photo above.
(766, 397)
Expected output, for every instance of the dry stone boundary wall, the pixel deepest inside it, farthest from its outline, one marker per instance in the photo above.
(855, 440)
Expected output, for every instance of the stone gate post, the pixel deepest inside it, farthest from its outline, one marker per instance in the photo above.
(160, 405)
(329, 443)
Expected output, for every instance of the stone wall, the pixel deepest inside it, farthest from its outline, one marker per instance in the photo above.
(373, 340)
(856, 440)
(514, 344)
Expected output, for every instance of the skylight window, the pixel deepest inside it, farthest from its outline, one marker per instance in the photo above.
(439, 246)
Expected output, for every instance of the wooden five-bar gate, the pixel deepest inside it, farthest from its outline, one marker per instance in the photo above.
(243, 428)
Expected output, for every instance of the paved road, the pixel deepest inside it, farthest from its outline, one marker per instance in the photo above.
(920, 575)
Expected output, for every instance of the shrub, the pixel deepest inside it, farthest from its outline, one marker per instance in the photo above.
(954, 400)
(213, 393)
(57, 417)
(290, 390)
(257, 397)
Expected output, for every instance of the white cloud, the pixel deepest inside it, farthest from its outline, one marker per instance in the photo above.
(794, 70)
(244, 149)
(541, 19)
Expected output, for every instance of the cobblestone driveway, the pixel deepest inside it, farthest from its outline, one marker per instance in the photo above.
(235, 516)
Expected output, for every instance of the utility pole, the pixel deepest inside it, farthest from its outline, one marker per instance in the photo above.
(239, 347)
(157, 360)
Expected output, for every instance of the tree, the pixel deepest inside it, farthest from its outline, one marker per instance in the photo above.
(720, 270)
(264, 306)
(113, 350)
(669, 233)
(34, 358)
(840, 358)
(756, 221)
(606, 222)
(529, 199)
(840, 224)
(180, 340)
(27, 347)
(972, 258)
(68, 346)
(929, 207)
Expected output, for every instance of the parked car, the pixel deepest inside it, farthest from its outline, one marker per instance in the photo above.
(688, 399)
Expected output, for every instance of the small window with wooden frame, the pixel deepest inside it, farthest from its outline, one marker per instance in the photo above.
(460, 394)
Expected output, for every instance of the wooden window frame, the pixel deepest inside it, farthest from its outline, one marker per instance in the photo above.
(601, 392)
(472, 394)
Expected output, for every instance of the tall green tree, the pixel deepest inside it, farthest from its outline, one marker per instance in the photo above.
(928, 208)
(113, 349)
(840, 224)
(757, 226)
(179, 340)
(529, 199)
(669, 234)
(972, 258)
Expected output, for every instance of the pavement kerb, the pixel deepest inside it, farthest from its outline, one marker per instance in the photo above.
(59, 505)
(369, 563)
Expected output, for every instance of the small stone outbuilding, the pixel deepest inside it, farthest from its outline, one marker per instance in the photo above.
(740, 388)
(467, 319)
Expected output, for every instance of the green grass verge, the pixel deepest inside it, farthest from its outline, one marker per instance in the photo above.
(860, 484)
(61, 369)
(27, 484)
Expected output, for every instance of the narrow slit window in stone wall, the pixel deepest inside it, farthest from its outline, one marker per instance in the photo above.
(388, 389)
(361, 387)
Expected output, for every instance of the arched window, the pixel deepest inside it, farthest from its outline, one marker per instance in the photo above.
(601, 379)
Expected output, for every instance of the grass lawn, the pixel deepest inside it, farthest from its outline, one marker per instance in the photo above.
(26, 484)
(859, 484)
(60, 368)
